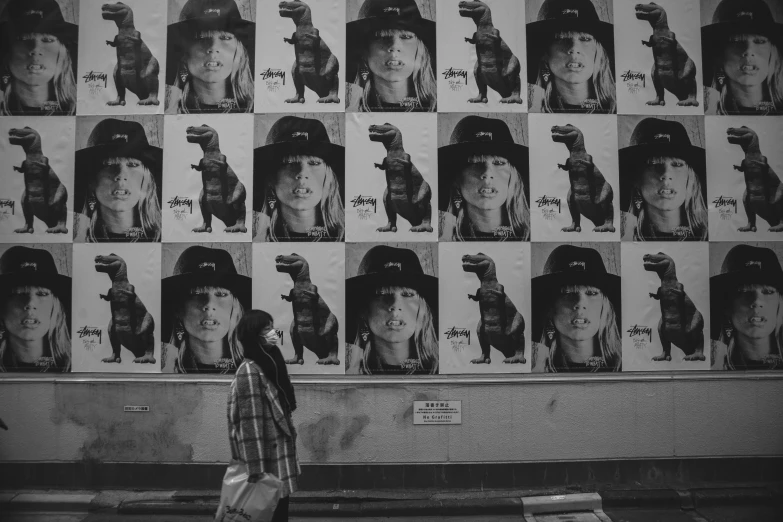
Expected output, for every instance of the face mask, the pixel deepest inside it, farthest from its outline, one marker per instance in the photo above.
(271, 337)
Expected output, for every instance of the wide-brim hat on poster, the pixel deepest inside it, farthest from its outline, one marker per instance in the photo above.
(385, 265)
(479, 135)
(37, 17)
(656, 137)
(25, 266)
(565, 15)
(202, 266)
(736, 17)
(207, 15)
(291, 136)
(113, 138)
(569, 265)
(743, 265)
(375, 15)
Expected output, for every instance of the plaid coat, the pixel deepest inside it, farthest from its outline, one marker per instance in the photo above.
(260, 431)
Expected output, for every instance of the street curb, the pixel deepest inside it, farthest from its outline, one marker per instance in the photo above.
(50, 502)
(619, 498)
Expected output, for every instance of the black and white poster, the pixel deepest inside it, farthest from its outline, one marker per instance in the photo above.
(391, 308)
(209, 178)
(576, 187)
(482, 60)
(303, 289)
(123, 57)
(116, 316)
(300, 50)
(485, 308)
(391, 171)
(576, 307)
(746, 281)
(35, 325)
(665, 306)
(119, 171)
(299, 178)
(206, 289)
(659, 67)
(36, 189)
(745, 163)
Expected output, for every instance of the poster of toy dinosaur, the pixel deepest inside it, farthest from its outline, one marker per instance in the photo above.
(481, 57)
(303, 288)
(575, 189)
(391, 177)
(208, 184)
(484, 312)
(36, 180)
(116, 313)
(659, 60)
(300, 53)
(666, 299)
(122, 60)
(745, 162)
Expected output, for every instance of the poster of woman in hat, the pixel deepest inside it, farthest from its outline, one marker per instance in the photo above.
(570, 56)
(483, 177)
(482, 56)
(745, 163)
(116, 327)
(742, 43)
(746, 285)
(391, 177)
(299, 178)
(666, 303)
(122, 57)
(485, 308)
(391, 308)
(35, 320)
(663, 178)
(209, 178)
(206, 290)
(576, 307)
(301, 56)
(210, 56)
(390, 56)
(117, 188)
(36, 189)
(658, 57)
(303, 289)
(38, 57)
(575, 189)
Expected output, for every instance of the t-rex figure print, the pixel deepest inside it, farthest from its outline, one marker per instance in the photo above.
(314, 326)
(222, 194)
(590, 195)
(681, 323)
(44, 196)
(673, 70)
(496, 66)
(315, 66)
(501, 325)
(136, 70)
(131, 325)
(406, 193)
(763, 191)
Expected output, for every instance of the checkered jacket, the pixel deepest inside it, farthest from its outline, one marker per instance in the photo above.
(261, 434)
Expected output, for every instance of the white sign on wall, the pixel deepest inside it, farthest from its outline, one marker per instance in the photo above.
(437, 412)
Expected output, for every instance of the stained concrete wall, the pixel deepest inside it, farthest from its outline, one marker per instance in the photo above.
(535, 418)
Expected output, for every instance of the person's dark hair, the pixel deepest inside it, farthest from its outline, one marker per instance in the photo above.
(267, 356)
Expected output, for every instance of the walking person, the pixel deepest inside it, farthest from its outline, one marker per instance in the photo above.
(260, 403)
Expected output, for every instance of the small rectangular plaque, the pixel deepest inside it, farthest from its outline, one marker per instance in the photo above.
(137, 408)
(437, 412)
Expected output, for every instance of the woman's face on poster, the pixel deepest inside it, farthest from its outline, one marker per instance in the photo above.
(299, 183)
(484, 181)
(754, 310)
(392, 314)
(577, 312)
(210, 56)
(33, 59)
(207, 313)
(118, 184)
(28, 312)
(571, 57)
(746, 58)
(663, 183)
(391, 55)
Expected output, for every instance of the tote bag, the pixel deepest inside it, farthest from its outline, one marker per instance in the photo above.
(242, 501)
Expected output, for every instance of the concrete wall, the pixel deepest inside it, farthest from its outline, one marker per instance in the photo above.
(345, 421)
